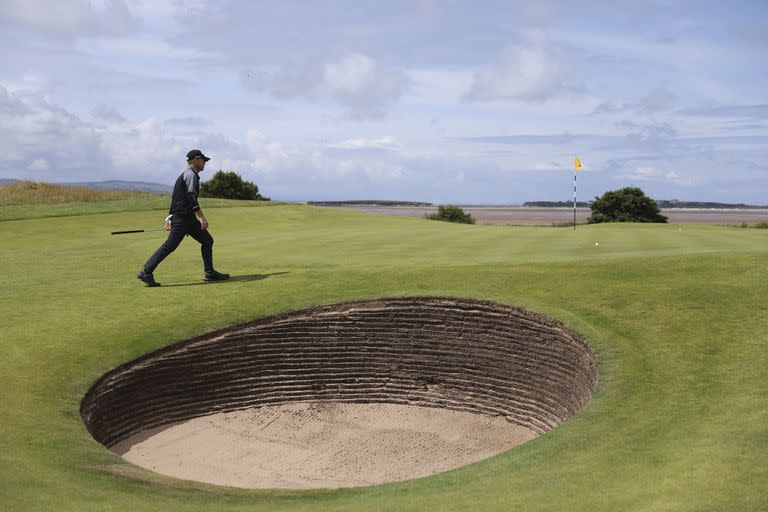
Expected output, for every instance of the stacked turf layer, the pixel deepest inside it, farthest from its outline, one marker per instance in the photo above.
(456, 354)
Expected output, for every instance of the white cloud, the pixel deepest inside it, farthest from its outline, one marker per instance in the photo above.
(438, 86)
(549, 166)
(10, 104)
(107, 113)
(40, 164)
(147, 146)
(44, 141)
(152, 9)
(188, 121)
(72, 19)
(653, 174)
(658, 100)
(355, 80)
(374, 171)
(647, 131)
(29, 87)
(387, 143)
(140, 47)
(534, 70)
(35, 131)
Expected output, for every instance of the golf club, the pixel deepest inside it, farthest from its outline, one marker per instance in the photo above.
(136, 231)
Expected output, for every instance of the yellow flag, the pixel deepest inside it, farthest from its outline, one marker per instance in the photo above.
(576, 163)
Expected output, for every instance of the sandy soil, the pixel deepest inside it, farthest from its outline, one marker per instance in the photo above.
(320, 445)
(523, 215)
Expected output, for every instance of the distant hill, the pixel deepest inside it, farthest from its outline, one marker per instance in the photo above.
(663, 203)
(674, 203)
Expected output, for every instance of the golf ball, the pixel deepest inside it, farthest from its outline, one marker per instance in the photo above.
(597, 243)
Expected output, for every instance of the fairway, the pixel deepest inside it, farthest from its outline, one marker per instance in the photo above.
(677, 316)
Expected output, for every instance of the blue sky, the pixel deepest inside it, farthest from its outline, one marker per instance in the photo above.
(442, 101)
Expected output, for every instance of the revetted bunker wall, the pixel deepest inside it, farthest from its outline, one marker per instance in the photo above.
(453, 353)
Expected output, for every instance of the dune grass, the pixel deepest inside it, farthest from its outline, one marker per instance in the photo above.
(34, 192)
(35, 200)
(676, 314)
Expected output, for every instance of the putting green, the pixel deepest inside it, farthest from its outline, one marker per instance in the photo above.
(676, 314)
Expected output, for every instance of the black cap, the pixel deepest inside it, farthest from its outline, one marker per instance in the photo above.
(196, 153)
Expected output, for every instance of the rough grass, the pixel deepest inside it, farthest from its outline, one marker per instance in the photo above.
(678, 320)
(33, 192)
(33, 200)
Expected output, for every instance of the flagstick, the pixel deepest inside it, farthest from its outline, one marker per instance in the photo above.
(574, 199)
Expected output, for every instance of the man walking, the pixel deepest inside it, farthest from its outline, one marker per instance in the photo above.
(186, 218)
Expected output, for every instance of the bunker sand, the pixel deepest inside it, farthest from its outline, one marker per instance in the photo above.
(321, 445)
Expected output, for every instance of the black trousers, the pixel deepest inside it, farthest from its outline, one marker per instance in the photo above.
(182, 226)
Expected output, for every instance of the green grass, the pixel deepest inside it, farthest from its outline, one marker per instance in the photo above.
(677, 315)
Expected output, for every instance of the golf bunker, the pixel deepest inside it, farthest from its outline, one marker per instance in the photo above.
(344, 395)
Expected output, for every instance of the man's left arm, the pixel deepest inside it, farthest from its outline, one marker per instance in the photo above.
(193, 185)
(201, 218)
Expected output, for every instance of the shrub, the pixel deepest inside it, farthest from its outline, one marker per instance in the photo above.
(229, 185)
(628, 204)
(451, 213)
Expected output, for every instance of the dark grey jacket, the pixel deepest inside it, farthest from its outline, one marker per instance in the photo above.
(185, 194)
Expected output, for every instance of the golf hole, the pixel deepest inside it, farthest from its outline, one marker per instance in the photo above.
(344, 395)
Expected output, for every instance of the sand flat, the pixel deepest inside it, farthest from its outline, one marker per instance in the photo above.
(321, 445)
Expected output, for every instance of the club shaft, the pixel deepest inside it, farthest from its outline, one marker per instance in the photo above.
(136, 231)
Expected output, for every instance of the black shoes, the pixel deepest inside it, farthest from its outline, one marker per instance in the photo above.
(215, 276)
(147, 278)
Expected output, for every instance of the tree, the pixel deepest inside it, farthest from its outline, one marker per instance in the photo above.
(229, 185)
(450, 213)
(628, 204)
